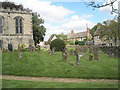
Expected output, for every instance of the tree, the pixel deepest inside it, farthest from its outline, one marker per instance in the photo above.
(38, 29)
(95, 28)
(109, 29)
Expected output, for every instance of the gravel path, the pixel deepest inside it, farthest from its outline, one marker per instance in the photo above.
(52, 79)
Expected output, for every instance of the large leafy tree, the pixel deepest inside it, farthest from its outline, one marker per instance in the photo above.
(38, 29)
(109, 29)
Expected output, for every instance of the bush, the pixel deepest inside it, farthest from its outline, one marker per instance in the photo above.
(58, 44)
(79, 43)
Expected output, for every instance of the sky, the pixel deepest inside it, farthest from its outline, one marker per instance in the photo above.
(63, 16)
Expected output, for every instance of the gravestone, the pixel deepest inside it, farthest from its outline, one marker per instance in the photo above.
(75, 52)
(31, 48)
(85, 49)
(53, 51)
(90, 50)
(96, 51)
(38, 46)
(90, 57)
(64, 55)
(19, 52)
(71, 52)
(78, 59)
(80, 49)
(49, 51)
(10, 47)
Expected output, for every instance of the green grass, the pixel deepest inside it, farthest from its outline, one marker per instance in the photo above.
(43, 64)
(37, 84)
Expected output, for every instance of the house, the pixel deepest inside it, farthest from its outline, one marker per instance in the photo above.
(102, 40)
(80, 36)
(15, 25)
(51, 38)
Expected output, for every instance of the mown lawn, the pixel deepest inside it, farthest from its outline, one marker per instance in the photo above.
(43, 64)
(37, 84)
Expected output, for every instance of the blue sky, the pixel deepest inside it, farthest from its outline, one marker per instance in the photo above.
(82, 9)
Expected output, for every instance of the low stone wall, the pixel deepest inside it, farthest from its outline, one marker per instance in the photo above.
(111, 50)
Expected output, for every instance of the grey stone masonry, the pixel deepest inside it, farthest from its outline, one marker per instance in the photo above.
(11, 28)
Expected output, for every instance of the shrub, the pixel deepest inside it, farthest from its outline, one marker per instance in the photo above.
(79, 43)
(58, 44)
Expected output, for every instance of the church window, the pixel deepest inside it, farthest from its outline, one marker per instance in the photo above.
(19, 25)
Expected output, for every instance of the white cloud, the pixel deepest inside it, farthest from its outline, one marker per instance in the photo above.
(76, 23)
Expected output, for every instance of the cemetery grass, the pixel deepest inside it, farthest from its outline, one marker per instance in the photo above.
(37, 84)
(44, 65)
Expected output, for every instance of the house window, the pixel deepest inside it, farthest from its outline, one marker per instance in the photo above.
(19, 25)
(1, 24)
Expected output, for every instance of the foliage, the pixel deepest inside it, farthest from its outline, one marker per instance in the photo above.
(38, 29)
(58, 44)
(69, 42)
(109, 29)
(62, 36)
(46, 65)
(95, 28)
(22, 46)
(79, 42)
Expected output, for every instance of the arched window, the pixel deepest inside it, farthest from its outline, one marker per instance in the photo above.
(1, 24)
(19, 25)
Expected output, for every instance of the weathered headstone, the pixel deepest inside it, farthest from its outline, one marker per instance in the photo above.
(64, 55)
(49, 51)
(75, 52)
(80, 49)
(53, 51)
(96, 51)
(19, 52)
(90, 57)
(10, 47)
(77, 60)
(71, 52)
(31, 48)
(38, 46)
(90, 49)
(85, 49)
